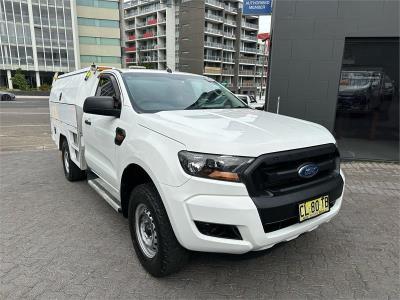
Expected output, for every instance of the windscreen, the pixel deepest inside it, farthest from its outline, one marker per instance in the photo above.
(154, 92)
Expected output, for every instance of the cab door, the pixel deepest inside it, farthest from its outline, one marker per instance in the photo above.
(99, 134)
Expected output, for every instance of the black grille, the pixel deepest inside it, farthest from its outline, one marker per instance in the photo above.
(277, 173)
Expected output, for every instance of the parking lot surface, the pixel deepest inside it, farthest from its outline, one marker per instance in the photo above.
(60, 240)
(24, 124)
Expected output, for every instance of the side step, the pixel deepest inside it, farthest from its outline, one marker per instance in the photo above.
(103, 193)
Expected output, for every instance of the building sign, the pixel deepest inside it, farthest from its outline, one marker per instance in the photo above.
(257, 7)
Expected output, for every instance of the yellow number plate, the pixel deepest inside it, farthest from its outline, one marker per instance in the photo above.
(313, 208)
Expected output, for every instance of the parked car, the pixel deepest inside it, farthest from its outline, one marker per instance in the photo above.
(363, 90)
(190, 165)
(6, 96)
(250, 100)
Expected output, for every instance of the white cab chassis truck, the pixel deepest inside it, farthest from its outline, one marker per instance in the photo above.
(190, 165)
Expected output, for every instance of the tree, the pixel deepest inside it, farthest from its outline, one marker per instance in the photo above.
(149, 65)
(19, 80)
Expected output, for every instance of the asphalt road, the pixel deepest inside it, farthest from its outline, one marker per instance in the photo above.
(24, 125)
(60, 240)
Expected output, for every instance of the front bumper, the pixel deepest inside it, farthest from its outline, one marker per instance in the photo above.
(228, 203)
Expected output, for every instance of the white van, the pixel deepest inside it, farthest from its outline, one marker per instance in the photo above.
(190, 165)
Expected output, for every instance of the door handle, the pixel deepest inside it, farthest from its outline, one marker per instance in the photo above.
(120, 135)
(88, 122)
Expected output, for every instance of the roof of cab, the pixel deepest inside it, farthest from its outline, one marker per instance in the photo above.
(101, 69)
(155, 72)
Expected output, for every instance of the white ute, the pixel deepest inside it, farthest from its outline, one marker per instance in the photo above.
(190, 165)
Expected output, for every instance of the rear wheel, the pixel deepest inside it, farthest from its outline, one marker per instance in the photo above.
(153, 238)
(71, 170)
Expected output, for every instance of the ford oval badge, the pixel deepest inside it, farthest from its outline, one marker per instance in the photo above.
(308, 170)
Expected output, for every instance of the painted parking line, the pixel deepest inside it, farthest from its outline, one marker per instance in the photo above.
(27, 125)
(21, 113)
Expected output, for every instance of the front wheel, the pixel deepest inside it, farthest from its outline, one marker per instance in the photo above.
(153, 238)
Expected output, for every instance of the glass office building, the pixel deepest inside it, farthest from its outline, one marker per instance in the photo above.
(336, 63)
(42, 37)
(36, 36)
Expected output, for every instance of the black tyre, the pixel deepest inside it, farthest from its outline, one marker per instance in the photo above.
(6, 97)
(71, 171)
(153, 238)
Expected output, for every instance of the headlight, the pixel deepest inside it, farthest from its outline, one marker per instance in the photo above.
(220, 167)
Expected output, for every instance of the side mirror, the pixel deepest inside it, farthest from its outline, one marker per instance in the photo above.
(101, 105)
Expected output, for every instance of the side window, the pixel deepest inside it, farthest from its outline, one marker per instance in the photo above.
(105, 87)
(244, 99)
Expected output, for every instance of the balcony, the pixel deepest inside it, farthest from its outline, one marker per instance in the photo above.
(130, 60)
(130, 49)
(229, 48)
(212, 70)
(213, 31)
(131, 14)
(213, 45)
(229, 35)
(131, 37)
(250, 50)
(214, 17)
(228, 72)
(143, 10)
(228, 60)
(149, 58)
(215, 3)
(230, 22)
(246, 73)
(249, 37)
(248, 84)
(148, 47)
(212, 58)
(151, 22)
(231, 9)
(152, 8)
(247, 61)
(250, 25)
(130, 27)
(146, 35)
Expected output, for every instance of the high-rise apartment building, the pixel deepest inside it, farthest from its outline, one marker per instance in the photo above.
(42, 37)
(210, 37)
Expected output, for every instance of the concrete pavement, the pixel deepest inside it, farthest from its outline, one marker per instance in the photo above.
(60, 240)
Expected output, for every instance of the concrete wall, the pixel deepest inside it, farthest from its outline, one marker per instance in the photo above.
(191, 36)
(307, 49)
(103, 32)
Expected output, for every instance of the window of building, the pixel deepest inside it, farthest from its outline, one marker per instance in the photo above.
(98, 3)
(97, 22)
(88, 40)
(100, 59)
(367, 112)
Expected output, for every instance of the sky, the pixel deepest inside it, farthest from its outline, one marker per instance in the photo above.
(265, 23)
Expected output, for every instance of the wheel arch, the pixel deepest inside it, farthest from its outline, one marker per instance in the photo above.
(61, 140)
(132, 176)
